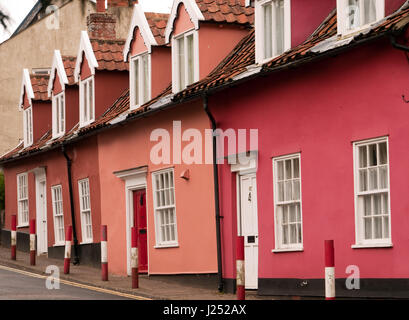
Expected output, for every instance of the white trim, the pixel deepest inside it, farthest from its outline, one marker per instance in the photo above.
(57, 68)
(259, 27)
(19, 212)
(279, 246)
(135, 179)
(84, 122)
(40, 177)
(360, 242)
(141, 80)
(374, 245)
(60, 214)
(28, 126)
(26, 83)
(139, 20)
(85, 46)
(83, 210)
(55, 115)
(342, 17)
(193, 11)
(300, 249)
(175, 60)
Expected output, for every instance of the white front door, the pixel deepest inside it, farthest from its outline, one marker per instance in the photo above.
(41, 217)
(249, 227)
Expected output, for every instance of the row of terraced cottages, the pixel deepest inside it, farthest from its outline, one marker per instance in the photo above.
(308, 102)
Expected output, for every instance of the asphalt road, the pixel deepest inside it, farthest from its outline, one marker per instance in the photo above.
(18, 286)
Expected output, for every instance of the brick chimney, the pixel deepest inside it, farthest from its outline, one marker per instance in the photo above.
(101, 25)
(121, 3)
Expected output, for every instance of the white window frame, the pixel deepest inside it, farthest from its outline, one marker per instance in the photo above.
(58, 122)
(22, 197)
(360, 240)
(58, 212)
(163, 243)
(259, 23)
(28, 126)
(85, 210)
(279, 245)
(175, 60)
(141, 80)
(84, 121)
(342, 13)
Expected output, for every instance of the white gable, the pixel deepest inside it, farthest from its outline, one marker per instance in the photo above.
(86, 47)
(57, 68)
(26, 83)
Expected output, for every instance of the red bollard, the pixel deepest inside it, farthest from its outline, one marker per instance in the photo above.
(33, 242)
(329, 270)
(134, 258)
(67, 255)
(240, 275)
(104, 253)
(13, 243)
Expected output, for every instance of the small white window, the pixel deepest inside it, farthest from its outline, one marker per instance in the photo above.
(372, 194)
(165, 209)
(185, 54)
(28, 127)
(22, 199)
(85, 208)
(287, 200)
(87, 101)
(58, 115)
(140, 80)
(273, 28)
(58, 211)
(354, 15)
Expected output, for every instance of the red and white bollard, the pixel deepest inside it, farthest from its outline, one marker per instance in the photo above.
(13, 243)
(104, 253)
(134, 258)
(32, 242)
(240, 275)
(329, 270)
(67, 255)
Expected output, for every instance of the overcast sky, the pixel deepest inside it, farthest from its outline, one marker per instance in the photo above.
(18, 9)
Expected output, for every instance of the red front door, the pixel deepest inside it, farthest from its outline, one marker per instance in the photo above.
(139, 204)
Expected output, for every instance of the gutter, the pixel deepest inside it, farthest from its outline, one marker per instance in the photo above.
(216, 196)
(74, 229)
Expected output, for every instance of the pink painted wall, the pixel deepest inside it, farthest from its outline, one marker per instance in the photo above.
(138, 45)
(41, 118)
(161, 69)
(194, 198)
(71, 106)
(85, 164)
(57, 88)
(319, 110)
(182, 23)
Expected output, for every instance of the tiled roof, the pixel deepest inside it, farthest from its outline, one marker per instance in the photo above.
(230, 11)
(157, 22)
(40, 86)
(109, 54)
(69, 66)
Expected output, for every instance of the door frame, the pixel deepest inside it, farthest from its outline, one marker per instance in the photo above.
(135, 179)
(40, 177)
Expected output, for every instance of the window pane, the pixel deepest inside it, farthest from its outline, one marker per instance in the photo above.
(363, 157)
(181, 60)
(288, 174)
(296, 190)
(91, 99)
(386, 227)
(145, 78)
(377, 227)
(383, 177)
(85, 99)
(369, 11)
(279, 27)
(280, 170)
(377, 207)
(373, 178)
(383, 155)
(353, 14)
(296, 168)
(367, 205)
(268, 28)
(136, 82)
(288, 190)
(372, 155)
(292, 213)
(368, 228)
(190, 60)
(363, 180)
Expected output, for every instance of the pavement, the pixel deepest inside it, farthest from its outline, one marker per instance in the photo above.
(89, 278)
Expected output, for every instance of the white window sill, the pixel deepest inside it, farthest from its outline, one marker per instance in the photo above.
(57, 136)
(86, 242)
(372, 245)
(164, 246)
(287, 250)
(23, 226)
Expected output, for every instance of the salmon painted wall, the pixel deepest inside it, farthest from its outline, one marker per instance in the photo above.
(72, 114)
(215, 43)
(109, 85)
(85, 165)
(319, 110)
(138, 44)
(194, 198)
(42, 121)
(182, 22)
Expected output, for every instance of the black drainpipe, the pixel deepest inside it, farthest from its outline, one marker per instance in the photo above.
(74, 229)
(397, 45)
(216, 196)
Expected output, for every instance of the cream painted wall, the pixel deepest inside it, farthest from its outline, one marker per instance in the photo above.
(33, 48)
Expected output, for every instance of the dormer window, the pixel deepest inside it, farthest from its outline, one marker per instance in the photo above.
(58, 115)
(28, 127)
(273, 28)
(185, 60)
(87, 101)
(140, 80)
(354, 15)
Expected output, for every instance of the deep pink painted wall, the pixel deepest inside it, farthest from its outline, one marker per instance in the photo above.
(319, 110)
(41, 118)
